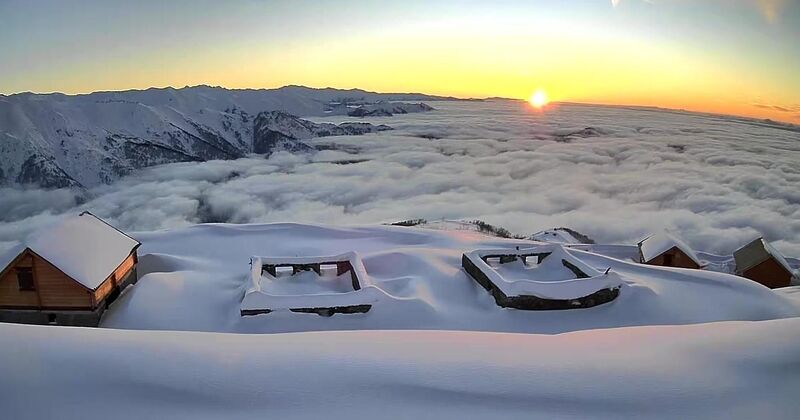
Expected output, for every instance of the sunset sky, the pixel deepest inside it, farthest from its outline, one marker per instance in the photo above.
(726, 56)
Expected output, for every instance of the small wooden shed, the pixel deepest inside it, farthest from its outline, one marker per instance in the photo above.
(666, 250)
(66, 273)
(761, 262)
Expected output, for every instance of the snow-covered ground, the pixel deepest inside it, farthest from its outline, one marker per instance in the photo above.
(195, 279)
(690, 343)
(728, 370)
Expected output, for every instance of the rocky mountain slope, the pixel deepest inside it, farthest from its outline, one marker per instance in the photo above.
(278, 130)
(56, 140)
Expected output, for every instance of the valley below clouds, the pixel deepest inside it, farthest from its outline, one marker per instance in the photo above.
(612, 173)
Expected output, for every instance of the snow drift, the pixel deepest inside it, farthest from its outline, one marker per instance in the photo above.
(724, 370)
(197, 278)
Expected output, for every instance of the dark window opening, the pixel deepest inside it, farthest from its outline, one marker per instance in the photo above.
(668, 259)
(51, 318)
(25, 278)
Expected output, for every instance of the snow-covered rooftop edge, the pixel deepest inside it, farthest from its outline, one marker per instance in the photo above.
(83, 246)
(781, 260)
(658, 243)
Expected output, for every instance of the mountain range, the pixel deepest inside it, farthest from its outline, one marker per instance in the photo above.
(57, 140)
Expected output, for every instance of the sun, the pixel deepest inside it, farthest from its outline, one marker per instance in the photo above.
(538, 99)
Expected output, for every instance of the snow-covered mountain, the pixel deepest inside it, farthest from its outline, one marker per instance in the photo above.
(278, 130)
(57, 140)
(387, 109)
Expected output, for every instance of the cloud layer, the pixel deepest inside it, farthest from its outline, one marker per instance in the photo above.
(610, 172)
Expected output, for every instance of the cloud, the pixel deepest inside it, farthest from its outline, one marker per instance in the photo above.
(716, 181)
(778, 107)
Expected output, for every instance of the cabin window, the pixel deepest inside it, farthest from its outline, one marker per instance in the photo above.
(668, 259)
(25, 278)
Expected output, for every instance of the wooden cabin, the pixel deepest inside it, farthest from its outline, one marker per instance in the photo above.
(66, 273)
(761, 262)
(666, 250)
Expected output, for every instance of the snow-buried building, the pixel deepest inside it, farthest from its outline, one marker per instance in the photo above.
(666, 250)
(66, 273)
(324, 285)
(545, 277)
(761, 262)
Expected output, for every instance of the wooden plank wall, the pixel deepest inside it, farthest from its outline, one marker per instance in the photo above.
(769, 273)
(10, 295)
(679, 259)
(56, 289)
(115, 278)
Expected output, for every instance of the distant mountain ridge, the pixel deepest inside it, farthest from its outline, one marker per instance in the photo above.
(58, 140)
(278, 130)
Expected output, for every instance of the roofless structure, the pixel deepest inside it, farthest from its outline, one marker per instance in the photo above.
(66, 273)
(545, 277)
(323, 285)
(761, 262)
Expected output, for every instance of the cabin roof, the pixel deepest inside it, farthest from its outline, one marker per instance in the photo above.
(10, 255)
(757, 252)
(659, 243)
(84, 247)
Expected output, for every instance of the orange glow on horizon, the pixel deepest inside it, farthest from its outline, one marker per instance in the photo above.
(576, 61)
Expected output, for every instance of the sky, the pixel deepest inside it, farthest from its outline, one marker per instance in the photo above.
(737, 57)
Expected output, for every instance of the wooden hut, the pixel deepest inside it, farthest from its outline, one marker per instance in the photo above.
(66, 273)
(666, 250)
(759, 261)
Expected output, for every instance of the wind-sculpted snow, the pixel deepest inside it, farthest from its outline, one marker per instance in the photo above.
(196, 279)
(612, 173)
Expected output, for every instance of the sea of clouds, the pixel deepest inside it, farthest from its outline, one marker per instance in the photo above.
(613, 173)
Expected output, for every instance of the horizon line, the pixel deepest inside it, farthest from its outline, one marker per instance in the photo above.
(777, 123)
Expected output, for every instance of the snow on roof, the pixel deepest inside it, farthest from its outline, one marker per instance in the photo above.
(757, 252)
(84, 247)
(555, 236)
(659, 243)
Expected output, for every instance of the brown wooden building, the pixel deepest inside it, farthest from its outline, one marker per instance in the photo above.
(66, 273)
(759, 261)
(666, 250)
